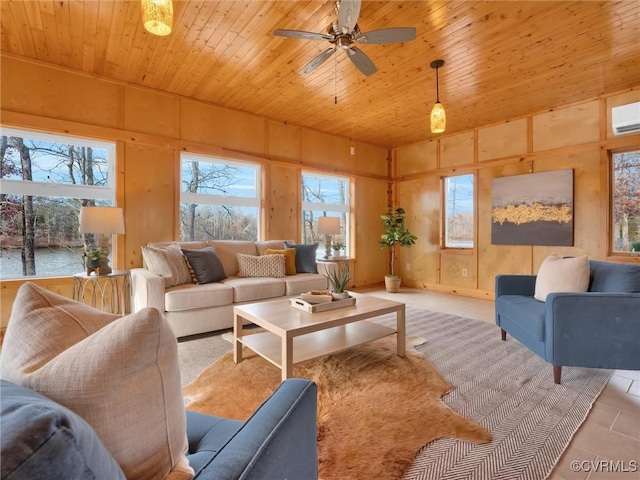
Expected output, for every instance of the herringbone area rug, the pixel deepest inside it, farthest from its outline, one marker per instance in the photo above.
(500, 385)
(507, 389)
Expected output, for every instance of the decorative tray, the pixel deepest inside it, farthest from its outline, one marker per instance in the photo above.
(320, 307)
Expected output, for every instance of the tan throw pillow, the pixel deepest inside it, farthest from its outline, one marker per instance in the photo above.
(558, 274)
(289, 258)
(121, 374)
(168, 263)
(261, 266)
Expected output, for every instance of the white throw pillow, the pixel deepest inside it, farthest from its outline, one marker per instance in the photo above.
(558, 274)
(168, 263)
(121, 374)
(261, 266)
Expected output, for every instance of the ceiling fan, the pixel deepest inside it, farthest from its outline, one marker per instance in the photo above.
(345, 33)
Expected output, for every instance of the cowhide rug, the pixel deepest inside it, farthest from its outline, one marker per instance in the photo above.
(375, 410)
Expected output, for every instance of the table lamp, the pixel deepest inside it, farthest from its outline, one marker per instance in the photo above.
(103, 222)
(328, 226)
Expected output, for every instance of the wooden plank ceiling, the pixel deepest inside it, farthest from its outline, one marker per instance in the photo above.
(503, 59)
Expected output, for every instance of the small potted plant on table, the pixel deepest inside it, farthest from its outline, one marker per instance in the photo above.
(396, 233)
(339, 280)
(337, 246)
(95, 259)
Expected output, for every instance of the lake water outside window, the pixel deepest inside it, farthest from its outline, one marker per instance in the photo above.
(458, 220)
(44, 181)
(625, 197)
(219, 199)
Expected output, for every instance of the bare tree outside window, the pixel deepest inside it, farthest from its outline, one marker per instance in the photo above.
(626, 202)
(219, 199)
(324, 195)
(44, 181)
(458, 221)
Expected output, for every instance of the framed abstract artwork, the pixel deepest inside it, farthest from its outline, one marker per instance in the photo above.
(533, 209)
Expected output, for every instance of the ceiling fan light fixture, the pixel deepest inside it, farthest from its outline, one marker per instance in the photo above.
(157, 16)
(438, 115)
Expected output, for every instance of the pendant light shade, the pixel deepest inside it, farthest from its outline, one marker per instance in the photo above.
(438, 118)
(438, 115)
(157, 16)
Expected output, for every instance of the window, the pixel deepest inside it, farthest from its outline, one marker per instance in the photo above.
(625, 213)
(458, 211)
(324, 195)
(219, 199)
(44, 180)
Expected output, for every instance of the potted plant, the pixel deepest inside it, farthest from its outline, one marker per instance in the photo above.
(395, 233)
(337, 246)
(94, 257)
(339, 280)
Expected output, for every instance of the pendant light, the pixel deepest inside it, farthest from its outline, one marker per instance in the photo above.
(157, 16)
(438, 117)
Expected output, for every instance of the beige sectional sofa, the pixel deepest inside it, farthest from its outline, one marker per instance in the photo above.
(194, 308)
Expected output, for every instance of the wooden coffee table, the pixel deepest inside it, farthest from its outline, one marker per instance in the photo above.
(293, 336)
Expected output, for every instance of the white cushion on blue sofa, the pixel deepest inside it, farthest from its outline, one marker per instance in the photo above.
(559, 274)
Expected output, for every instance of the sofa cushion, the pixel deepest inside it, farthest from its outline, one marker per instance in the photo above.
(122, 378)
(255, 288)
(527, 312)
(289, 258)
(614, 277)
(169, 263)
(305, 256)
(39, 435)
(557, 274)
(303, 282)
(263, 246)
(261, 266)
(205, 264)
(227, 251)
(191, 296)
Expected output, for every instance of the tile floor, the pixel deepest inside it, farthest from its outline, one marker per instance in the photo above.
(608, 442)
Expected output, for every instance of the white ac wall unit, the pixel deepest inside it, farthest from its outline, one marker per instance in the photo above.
(626, 119)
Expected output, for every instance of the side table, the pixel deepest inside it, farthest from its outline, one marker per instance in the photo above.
(111, 292)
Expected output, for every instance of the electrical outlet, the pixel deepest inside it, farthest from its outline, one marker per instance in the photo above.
(408, 266)
(464, 272)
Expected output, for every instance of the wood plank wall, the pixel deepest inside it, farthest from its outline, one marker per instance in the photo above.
(152, 128)
(577, 136)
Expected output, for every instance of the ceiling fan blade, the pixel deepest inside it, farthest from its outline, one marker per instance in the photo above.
(318, 60)
(348, 14)
(388, 35)
(302, 34)
(361, 61)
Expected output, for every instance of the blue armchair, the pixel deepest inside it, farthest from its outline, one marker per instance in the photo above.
(599, 328)
(42, 439)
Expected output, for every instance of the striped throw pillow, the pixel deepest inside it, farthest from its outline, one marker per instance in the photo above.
(169, 263)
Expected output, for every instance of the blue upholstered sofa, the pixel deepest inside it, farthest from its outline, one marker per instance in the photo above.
(599, 328)
(41, 439)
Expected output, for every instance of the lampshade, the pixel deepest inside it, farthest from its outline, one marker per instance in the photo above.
(157, 16)
(101, 220)
(438, 118)
(329, 225)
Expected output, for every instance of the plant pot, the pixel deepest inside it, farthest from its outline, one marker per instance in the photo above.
(392, 283)
(339, 296)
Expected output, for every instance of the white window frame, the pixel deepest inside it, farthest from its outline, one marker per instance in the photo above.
(216, 199)
(445, 216)
(49, 189)
(332, 207)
